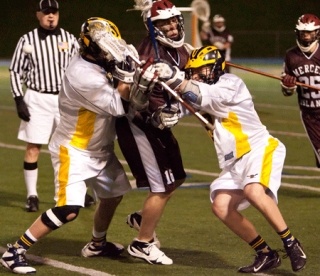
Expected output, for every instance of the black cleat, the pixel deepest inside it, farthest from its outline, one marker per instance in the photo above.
(32, 204)
(262, 262)
(106, 249)
(297, 256)
(88, 200)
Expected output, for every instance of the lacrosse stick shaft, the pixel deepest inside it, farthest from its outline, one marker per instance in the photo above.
(268, 75)
(202, 119)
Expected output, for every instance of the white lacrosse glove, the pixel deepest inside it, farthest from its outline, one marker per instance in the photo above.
(288, 84)
(165, 117)
(144, 79)
(171, 75)
(124, 71)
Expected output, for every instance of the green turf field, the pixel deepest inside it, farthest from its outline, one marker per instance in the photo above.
(196, 241)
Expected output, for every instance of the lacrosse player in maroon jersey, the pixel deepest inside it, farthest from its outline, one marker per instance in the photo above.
(147, 141)
(302, 64)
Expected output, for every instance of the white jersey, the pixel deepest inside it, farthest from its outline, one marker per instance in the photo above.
(88, 104)
(238, 128)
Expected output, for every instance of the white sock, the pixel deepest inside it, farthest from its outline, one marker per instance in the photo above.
(31, 178)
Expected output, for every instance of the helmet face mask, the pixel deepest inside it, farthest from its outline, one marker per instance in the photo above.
(205, 63)
(163, 13)
(307, 32)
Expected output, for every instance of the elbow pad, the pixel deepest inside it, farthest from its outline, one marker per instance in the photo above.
(191, 94)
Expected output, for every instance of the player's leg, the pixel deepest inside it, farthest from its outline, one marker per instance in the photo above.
(109, 186)
(30, 167)
(227, 200)
(161, 172)
(263, 196)
(311, 125)
(36, 132)
(14, 258)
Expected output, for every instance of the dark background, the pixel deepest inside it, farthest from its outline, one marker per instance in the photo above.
(261, 29)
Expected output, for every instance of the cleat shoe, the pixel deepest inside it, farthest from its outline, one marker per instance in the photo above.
(149, 252)
(262, 262)
(14, 260)
(89, 200)
(297, 256)
(107, 249)
(32, 204)
(134, 221)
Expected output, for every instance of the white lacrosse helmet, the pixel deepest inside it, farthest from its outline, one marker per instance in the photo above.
(162, 10)
(93, 30)
(218, 23)
(307, 23)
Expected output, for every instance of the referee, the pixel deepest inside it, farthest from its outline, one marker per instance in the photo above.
(38, 64)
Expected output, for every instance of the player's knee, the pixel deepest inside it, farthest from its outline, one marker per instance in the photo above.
(57, 216)
(219, 209)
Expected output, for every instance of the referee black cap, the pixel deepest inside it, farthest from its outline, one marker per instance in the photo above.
(45, 5)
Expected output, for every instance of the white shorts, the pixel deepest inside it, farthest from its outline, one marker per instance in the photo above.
(44, 117)
(74, 172)
(262, 165)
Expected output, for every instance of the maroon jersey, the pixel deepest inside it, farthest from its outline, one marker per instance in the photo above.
(174, 56)
(307, 70)
(153, 155)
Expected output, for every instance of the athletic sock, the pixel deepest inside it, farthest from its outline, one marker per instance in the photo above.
(260, 245)
(26, 240)
(98, 238)
(31, 177)
(286, 237)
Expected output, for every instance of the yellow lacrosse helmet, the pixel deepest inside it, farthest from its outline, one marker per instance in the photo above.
(206, 56)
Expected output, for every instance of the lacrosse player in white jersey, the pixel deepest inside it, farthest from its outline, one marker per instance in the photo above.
(250, 158)
(82, 146)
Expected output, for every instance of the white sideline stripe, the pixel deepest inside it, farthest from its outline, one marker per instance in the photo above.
(283, 184)
(293, 134)
(62, 265)
(8, 146)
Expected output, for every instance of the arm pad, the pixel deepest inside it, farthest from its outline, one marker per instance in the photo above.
(191, 94)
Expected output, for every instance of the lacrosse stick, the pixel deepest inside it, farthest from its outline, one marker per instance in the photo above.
(208, 126)
(145, 7)
(201, 9)
(113, 47)
(269, 75)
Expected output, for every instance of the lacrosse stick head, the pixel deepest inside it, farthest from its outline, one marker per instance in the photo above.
(100, 38)
(206, 63)
(201, 9)
(160, 12)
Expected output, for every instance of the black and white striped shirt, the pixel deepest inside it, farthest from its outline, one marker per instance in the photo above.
(43, 69)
